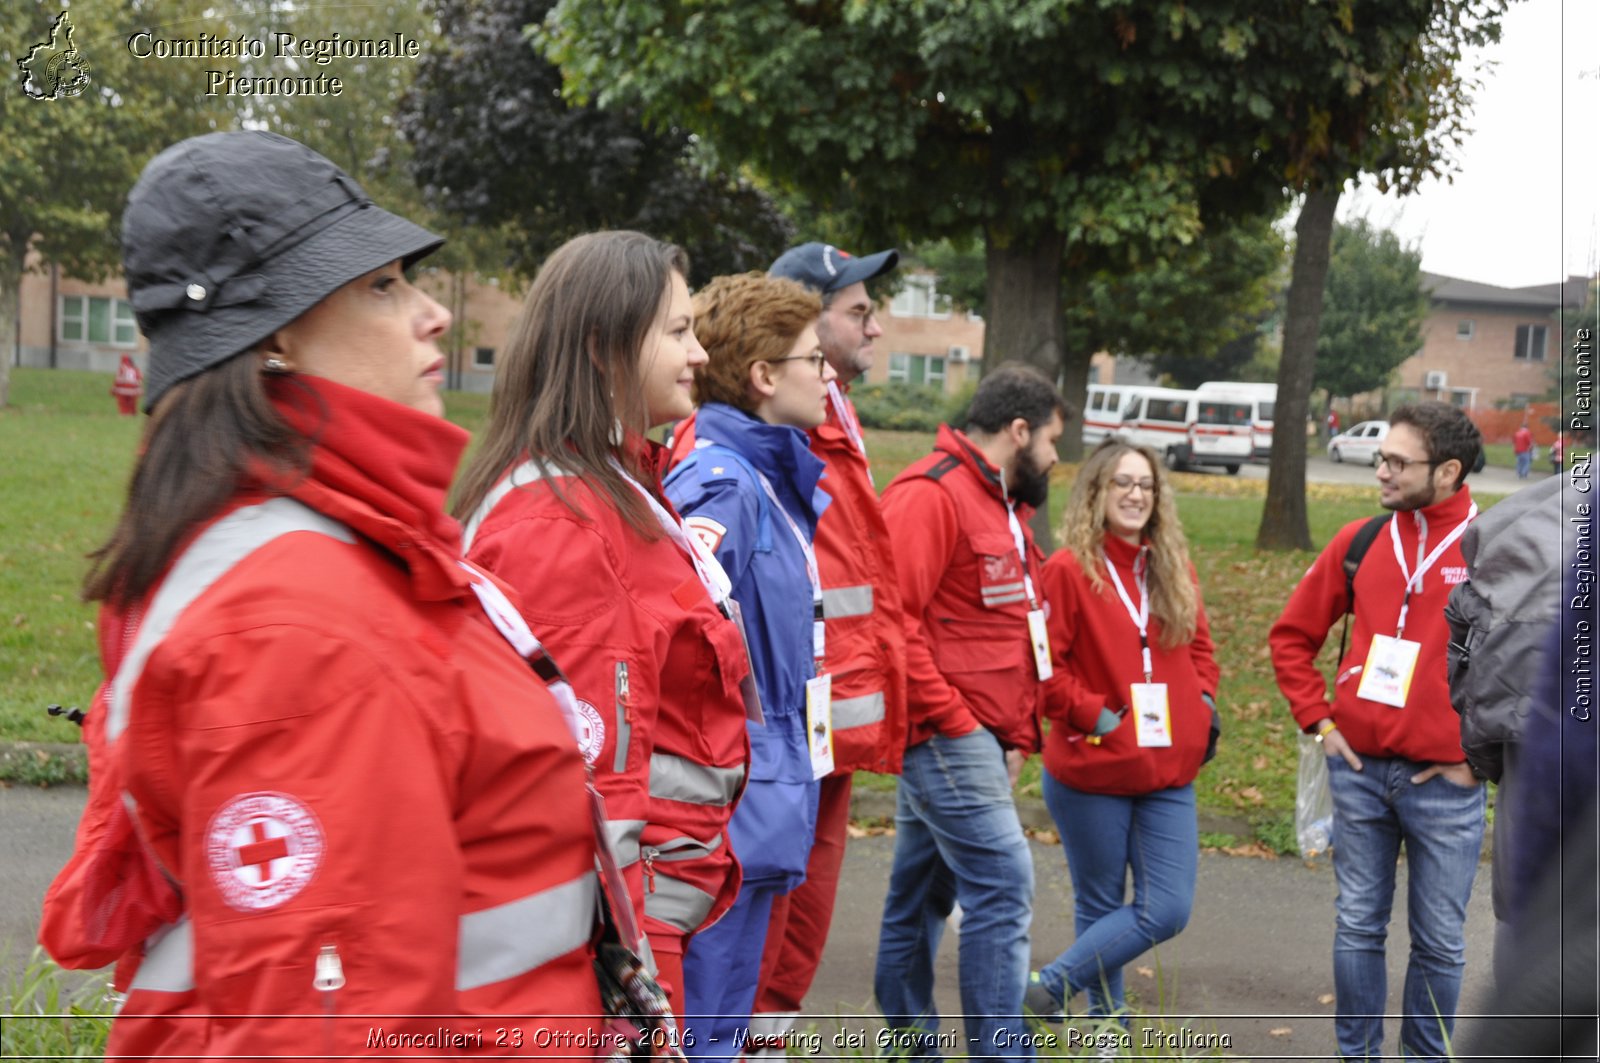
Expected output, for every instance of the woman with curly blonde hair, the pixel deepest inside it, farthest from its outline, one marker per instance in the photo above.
(1132, 706)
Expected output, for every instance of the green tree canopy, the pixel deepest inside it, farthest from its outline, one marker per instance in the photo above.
(493, 143)
(1373, 309)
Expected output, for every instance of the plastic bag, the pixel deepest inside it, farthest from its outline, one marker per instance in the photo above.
(1313, 801)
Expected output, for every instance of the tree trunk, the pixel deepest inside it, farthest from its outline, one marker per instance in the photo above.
(1283, 522)
(10, 313)
(1022, 321)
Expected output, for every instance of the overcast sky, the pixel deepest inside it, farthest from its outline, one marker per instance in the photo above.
(1522, 209)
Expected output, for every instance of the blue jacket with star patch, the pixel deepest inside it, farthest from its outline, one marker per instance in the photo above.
(717, 487)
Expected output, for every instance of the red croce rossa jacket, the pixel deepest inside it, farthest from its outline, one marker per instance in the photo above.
(969, 661)
(1095, 645)
(367, 803)
(1427, 729)
(657, 668)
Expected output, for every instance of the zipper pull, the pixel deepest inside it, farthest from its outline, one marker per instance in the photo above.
(330, 970)
(650, 854)
(622, 688)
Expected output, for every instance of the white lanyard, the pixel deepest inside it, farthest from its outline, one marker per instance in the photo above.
(706, 565)
(1141, 615)
(842, 409)
(1414, 581)
(1016, 537)
(812, 572)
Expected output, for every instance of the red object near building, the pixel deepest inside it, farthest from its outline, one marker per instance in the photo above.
(126, 387)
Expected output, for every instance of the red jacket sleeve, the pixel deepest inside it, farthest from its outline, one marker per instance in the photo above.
(922, 525)
(1066, 698)
(1297, 636)
(1202, 650)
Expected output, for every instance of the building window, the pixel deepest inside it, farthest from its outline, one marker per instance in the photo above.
(1464, 329)
(483, 358)
(920, 298)
(1530, 343)
(917, 369)
(98, 319)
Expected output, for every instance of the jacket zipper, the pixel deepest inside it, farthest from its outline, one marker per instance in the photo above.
(650, 854)
(623, 719)
(329, 979)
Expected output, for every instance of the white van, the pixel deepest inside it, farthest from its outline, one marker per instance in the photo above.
(1188, 428)
(1263, 398)
(1102, 413)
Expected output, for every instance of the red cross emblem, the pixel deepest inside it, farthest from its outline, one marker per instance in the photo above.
(262, 849)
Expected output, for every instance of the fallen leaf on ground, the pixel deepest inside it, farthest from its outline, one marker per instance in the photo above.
(1146, 971)
(1326, 998)
(1281, 1031)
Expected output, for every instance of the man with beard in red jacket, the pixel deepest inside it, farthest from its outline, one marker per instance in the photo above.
(1393, 743)
(976, 658)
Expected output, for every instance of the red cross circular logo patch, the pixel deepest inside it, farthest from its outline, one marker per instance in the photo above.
(262, 849)
(591, 731)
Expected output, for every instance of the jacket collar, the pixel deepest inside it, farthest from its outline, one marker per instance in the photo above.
(1122, 554)
(780, 452)
(958, 445)
(1440, 517)
(383, 470)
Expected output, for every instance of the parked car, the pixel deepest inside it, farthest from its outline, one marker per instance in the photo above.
(1359, 443)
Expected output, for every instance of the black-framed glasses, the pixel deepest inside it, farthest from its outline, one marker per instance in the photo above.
(1127, 483)
(816, 358)
(1398, 465)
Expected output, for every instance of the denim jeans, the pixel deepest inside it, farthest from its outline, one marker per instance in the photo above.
(1441, 824)
(1155, 835)
(1524, 464)
(957, 837)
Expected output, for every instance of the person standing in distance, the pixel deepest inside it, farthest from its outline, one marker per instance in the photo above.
(977, 656)
(866, 639)
(1395, 763)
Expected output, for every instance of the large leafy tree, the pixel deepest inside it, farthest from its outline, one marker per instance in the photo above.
(1373, 309)
(1371, 87)
(66, 164)
(494, 143)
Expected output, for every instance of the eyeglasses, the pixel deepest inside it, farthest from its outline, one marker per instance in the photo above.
(1398, 465)
(816, 358)
(1128, 483)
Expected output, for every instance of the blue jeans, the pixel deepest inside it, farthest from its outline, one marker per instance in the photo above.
(1441, 824)
(1157, 836)
(957, 837)
(1524, 464)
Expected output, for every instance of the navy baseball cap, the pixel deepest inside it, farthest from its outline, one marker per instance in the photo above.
(825, 268)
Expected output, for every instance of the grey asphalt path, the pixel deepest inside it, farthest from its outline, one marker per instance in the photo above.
(1252, 965)
(1492, 480)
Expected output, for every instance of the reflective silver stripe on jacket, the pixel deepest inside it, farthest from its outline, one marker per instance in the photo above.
(672, 778)
(678, 904)
(521, 476)
(847, 601)
(857, 712)
(168, 965)
(1004, 593)
(221, 547)
(625, 839)
(518, 937)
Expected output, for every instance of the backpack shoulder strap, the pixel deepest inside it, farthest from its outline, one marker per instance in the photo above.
(1352, 561)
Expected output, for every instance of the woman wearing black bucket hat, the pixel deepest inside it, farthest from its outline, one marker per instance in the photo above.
(346, 793)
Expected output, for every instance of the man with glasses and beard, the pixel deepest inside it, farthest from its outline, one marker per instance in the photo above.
(977, 656)
(1393, 743)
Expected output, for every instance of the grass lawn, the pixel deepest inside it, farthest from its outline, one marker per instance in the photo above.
(66, 459)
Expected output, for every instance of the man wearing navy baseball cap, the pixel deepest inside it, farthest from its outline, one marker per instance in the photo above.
(866, 640)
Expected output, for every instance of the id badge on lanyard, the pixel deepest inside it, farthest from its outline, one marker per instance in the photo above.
(1038, 636)
(1392, 659)
(1152, 716)
(819, 724)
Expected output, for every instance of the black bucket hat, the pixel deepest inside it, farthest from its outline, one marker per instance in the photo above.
(228, 237)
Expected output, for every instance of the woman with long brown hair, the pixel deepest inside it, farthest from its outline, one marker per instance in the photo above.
(1133, 718)
(328, 788)
(564, 502)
